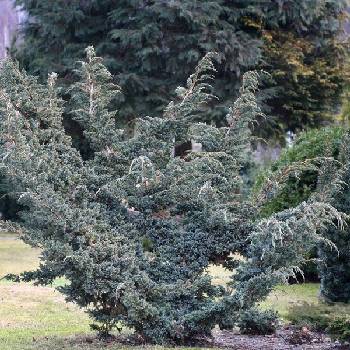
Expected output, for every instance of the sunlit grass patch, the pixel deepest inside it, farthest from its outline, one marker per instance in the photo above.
(16, 256)
(28, 312)
(220, 275)
(284, 297)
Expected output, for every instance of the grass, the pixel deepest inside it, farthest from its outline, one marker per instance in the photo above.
(28, 312)
(284, 297)
(38, 318)
(54, 343)
(15, 256)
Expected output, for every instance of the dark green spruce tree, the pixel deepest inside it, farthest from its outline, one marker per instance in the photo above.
(134, 227)
(153, 46)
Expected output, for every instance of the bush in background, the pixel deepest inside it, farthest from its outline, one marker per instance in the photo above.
(257, 322)
(332, 319)
(334, 269)
(325, 142)
(335, 265)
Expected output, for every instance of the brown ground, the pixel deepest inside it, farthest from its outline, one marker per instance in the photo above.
(284, 339)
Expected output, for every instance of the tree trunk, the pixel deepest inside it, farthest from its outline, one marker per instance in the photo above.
(10, 19)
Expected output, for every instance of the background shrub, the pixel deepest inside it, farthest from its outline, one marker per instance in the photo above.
(325, 142)
(258, 322)
(333, 319)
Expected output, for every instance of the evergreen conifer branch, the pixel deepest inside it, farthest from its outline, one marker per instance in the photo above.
(134, 227)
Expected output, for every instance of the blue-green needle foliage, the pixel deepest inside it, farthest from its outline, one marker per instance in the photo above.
(134, 227)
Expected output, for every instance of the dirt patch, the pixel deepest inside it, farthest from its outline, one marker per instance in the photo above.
(284, 339)
(27, 294)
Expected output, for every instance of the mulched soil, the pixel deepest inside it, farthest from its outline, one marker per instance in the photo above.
(288, 338)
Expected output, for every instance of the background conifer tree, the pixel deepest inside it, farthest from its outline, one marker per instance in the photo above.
(154, 46)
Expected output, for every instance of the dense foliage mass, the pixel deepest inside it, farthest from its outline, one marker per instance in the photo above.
(309, 147)
(134, 227)
(335, 268)
(153, 46)
(309, 77)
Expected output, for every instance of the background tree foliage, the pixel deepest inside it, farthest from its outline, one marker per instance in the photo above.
(152, 46)
(311, 144)
(309, 77)
(328, 142)
(134, 227)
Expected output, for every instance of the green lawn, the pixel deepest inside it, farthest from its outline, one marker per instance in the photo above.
(15, 256)
(286, 296)
(36, 318)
